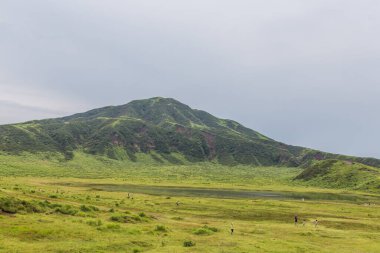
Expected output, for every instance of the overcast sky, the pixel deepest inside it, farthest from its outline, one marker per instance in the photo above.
(302, 72)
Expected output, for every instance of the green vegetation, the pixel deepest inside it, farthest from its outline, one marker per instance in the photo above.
(106, 205)
(205, 230)
(188, 244)
(342, 174)
(160, 128)
(161, 228)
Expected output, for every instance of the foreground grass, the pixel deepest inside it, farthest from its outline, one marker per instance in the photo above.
(82, 218)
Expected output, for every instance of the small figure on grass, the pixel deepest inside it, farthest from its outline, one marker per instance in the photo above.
(315, 223)
(232, 228)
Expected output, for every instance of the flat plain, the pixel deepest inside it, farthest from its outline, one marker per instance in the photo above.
(96, 204)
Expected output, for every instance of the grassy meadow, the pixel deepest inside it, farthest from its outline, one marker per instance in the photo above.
(96, 204)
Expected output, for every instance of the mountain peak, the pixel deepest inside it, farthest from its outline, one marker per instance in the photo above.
(134, 108)
(157, 100)
(157, 110)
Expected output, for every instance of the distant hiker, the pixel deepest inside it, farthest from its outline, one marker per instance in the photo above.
(295, 220)
(128, 195)
(315, 223)
(232, 228)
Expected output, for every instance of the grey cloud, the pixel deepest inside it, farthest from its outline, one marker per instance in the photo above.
(11, 112)
(302, 72)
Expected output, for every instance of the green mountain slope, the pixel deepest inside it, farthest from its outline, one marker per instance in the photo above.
(162, 125)
(341, 174)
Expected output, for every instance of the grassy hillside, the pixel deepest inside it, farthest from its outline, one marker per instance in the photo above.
(159, 127)
(342, 174)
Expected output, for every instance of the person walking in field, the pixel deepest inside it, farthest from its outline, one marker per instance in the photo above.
(232, 229)
(315, 223)
(295, 220)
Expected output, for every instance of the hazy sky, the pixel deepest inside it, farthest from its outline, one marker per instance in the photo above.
(302, 72)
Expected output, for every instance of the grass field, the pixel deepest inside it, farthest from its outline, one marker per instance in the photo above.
(102, 205)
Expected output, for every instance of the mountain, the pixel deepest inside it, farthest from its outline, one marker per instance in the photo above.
(162, 128)
(341, 174)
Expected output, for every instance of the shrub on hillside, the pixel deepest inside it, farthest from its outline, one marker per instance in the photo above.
(85, 208)
(66, 209)
(128, 218)
(205, 230)
(161, 228)
(188, 244)
(13, 205)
